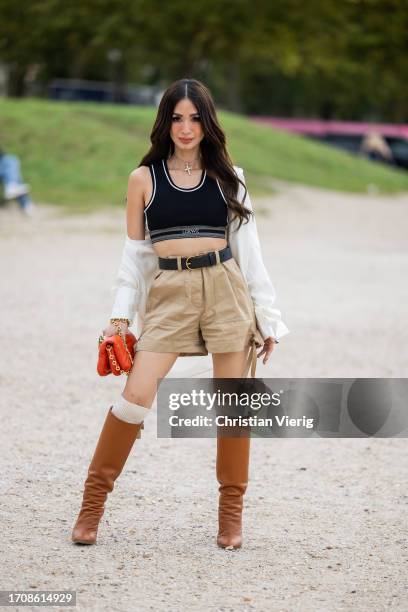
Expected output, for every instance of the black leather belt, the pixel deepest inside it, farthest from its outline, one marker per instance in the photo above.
(195, 261)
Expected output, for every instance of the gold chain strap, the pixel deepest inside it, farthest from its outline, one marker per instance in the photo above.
(120, 332)
(113, 360)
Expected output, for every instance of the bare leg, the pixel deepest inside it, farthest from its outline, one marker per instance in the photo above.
(229, 365)
(148, 367)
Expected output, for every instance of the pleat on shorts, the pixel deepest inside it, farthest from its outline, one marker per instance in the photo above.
(199, 311)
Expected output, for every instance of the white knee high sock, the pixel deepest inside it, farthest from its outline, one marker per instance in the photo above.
(128, 411)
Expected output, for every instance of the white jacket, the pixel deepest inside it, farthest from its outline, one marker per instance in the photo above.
(139, 265)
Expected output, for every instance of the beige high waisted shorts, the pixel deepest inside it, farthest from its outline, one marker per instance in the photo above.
(200, 311)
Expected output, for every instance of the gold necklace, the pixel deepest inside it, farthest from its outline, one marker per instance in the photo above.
(188, 166)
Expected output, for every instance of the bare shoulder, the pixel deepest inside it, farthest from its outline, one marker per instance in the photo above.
(140, 177)
(139, 186)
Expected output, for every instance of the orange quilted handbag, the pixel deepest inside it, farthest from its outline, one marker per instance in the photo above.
(116, 354)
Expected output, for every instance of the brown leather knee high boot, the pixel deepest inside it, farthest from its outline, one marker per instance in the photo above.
(114, 445)
(232, 475)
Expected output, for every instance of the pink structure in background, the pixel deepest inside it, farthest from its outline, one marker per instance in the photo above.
(319, 128)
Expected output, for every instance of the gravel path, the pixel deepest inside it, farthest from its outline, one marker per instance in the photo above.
(325, 519)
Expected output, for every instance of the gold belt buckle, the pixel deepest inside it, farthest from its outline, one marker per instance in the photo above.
(187, 263)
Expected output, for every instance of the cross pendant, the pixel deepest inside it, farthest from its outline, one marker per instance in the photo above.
(188, 168)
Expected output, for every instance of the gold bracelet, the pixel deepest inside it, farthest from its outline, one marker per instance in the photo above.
(116, 321)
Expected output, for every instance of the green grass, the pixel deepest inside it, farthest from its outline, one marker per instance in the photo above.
(79, 155)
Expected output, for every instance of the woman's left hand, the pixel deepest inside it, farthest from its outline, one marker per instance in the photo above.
(269, 345)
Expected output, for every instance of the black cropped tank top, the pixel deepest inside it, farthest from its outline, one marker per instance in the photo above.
(184, 212)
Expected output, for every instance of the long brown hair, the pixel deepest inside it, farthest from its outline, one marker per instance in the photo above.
(215, 157)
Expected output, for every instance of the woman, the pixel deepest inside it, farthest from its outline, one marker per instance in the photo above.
(198, 285)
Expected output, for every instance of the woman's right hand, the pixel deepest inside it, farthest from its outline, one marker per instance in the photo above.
(111, 329)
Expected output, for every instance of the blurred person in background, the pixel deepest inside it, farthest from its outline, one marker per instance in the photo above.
(376, 148)
(14, 187)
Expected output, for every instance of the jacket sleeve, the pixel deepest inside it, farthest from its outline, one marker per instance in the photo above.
(137, 263)
(260, 286)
